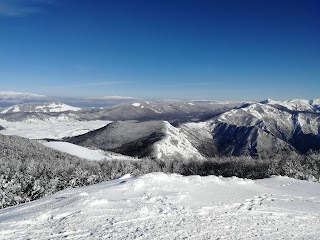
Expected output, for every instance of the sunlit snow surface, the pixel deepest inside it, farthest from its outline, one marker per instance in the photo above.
(162, 206)
(76, 150)
(55, 129)
(86, 153)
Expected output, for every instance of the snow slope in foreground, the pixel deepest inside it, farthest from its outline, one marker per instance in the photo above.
(161, 206)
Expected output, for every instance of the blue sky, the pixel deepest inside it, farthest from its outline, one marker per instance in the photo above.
(182, 49)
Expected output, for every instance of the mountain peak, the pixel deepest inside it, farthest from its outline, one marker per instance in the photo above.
(269, 101)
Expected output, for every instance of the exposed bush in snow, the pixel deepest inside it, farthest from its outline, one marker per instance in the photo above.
(305, 167)
(297, 166)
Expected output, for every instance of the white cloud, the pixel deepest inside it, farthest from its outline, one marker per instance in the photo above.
(20, 8)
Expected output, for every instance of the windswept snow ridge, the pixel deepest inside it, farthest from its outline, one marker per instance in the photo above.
(162, 206)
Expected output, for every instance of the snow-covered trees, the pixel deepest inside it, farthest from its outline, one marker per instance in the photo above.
(29, 170)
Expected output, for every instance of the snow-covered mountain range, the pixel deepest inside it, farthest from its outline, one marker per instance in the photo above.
(260, 126)
(50, 107)
(256, 129)
(173, 111)
(187, 129)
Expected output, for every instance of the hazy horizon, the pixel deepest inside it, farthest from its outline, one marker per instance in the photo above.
(139, 98)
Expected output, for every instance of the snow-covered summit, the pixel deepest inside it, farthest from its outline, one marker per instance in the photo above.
(269, 101)
(154, 139)
(296, 104)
